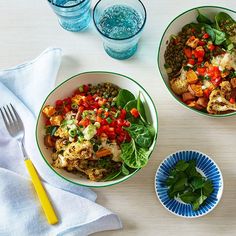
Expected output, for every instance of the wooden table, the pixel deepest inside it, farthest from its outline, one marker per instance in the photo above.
(28, 27)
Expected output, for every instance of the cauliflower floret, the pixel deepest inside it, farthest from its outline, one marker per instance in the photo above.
(78, 150)
(60, 144)
(60, 162)
(226, 89)
(49, 111)
(179, 86)
(218, 103)
(95, 174)
(62, 132)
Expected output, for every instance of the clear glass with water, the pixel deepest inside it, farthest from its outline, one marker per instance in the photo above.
(120, 22)
(73, 15)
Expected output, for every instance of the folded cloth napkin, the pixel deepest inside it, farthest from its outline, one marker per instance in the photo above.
(25, 86)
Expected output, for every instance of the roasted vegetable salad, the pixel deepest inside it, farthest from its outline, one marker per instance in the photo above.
(100, 132)
(201, 64)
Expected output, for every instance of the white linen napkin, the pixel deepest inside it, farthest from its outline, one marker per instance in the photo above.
(25, 86)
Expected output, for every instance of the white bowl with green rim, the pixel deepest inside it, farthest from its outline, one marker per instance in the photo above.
(65, 89)
(174, 27)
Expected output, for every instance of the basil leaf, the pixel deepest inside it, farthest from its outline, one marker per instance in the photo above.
(124, 96)
(181, 165)
(191, 170)
(203, 19)
(207, 188)
(197, 183)
(180, 184)
(141, 135)
(188, 197)
(198, 202)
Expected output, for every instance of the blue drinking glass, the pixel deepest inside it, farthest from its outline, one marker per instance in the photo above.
(73, 15)
(120, 23)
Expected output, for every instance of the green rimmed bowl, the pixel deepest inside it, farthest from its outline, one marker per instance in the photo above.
(174, 28)
(65, 89)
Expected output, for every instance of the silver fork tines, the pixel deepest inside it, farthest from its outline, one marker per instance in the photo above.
(14, 125)
(12, 121)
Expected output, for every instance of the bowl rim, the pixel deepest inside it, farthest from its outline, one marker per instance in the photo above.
(221, 189)
(65, 81)
(162, 76)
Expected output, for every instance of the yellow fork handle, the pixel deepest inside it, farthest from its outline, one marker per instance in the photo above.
(42, 195)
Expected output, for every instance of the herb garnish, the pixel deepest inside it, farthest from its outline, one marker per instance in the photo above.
(188, 184)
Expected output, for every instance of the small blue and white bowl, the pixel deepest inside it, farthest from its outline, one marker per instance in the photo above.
(206, 166)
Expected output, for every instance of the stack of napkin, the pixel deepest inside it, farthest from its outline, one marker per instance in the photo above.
(25, 87)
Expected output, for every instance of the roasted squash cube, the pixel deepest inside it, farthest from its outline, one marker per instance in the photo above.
(49, 111)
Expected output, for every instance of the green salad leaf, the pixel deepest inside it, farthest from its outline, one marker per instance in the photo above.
(134, 156)
(140, 108)
(124, 96)
(225, 19)
(141, 135)
(201, 18)
(112, 175)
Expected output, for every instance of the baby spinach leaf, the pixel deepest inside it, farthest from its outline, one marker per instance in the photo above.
(203, 19)
(112, 175)
(140, 108)
(220, 37)
(124, 96)
(140, 134)
(124, 170)
(223, 18)
(133, 156)
(210, 31)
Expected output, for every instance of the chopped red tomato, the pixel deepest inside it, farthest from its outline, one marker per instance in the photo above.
(191, 61)
(199, 52)
(205, 36)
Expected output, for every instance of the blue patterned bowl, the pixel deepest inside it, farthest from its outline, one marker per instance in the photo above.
(205, 166)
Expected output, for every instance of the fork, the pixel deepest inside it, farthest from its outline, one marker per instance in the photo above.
(16, 129)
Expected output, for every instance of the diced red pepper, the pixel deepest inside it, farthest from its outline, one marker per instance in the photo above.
(207, 92)
(122, 114)
(232, 100)
(216, 81)
(201, 71)
(201, 43)
(86, 88)
(59, 103)
(188, 52)
(134, 112)
(191, 61)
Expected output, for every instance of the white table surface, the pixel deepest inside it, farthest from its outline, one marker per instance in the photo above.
(28, 27)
